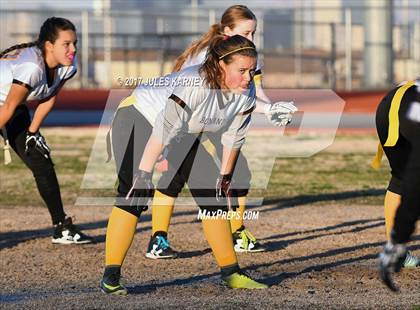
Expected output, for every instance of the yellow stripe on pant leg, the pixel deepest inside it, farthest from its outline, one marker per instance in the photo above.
(209, 147)
(126, 102)
(119, 235)
(162, 208)
(394, 123)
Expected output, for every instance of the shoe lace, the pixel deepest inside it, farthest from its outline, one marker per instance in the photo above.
(246, 236)
(162, 242)
(68, 224)
(243, 274)
(116, 280)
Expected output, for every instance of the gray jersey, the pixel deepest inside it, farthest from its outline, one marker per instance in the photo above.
(185, 104)
(27, 67)
(152, 94)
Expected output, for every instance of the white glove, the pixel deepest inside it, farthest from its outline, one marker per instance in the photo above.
(280, 113)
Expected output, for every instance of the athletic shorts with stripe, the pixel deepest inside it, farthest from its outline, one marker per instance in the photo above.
(191, 174)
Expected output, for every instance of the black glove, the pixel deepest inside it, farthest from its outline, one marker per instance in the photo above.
(141, 191)
(36, 141)
(224, 191)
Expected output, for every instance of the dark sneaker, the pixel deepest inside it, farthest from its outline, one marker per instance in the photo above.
(113, 286)
(159, 248)
(67, 233)
(244, 241)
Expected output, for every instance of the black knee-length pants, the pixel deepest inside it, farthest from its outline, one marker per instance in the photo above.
(41, 167)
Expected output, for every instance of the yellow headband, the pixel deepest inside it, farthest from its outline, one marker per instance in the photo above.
(238, 49)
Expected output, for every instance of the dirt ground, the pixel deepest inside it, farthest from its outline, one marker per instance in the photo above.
(320, 257)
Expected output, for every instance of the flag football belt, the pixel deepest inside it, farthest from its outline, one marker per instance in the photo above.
(6, 147)
(126, 102)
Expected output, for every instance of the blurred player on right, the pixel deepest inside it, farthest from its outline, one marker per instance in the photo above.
(398, 126)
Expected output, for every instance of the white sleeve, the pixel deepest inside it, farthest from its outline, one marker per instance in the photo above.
(234, 136)
(193, 94)
(173, 120)
(28, 74)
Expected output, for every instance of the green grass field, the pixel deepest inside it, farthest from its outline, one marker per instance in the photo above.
(341, 173)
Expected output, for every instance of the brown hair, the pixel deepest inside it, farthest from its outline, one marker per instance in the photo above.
(224, 48)
(230, 18)
(48, 32)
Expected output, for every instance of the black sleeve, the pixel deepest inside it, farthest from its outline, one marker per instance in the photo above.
(28, 87)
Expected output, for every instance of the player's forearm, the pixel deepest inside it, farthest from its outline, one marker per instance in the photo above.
(151, 154)
(17, 95)
(5, 115)
(229, 160)
(259, 106)
(259, 91)
(40, 114)
(262, 99)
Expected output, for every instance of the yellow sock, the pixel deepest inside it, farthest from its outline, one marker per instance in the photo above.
(237, 220)
(162, 207)
(219, 237)
(119, 235)
(391, 204)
